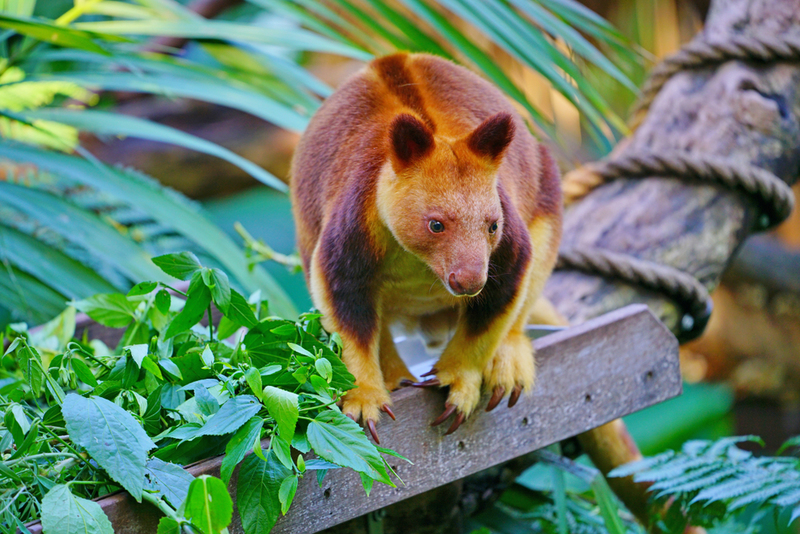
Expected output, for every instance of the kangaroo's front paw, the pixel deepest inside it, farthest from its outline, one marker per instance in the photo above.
(366, 403)
(465, 393)
(511, 371)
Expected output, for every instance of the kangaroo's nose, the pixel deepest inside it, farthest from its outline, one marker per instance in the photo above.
(466, 283)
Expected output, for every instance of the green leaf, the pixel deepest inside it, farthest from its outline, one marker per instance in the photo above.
(142, 288)
(85, 229)
(181, 265)
(163, 301)
(50, 265)
(193, 310)
(117, 124)
(50, 33)
(287, 491)
(208, 505)
(283, 406)
(238, 446)
(114, 439)
(283, 451)
(608, 505)
(220, 287)
(253, 378)
(112, 310)
(239, 311)
(301, 350)
(231, 416)
(138, 353)
(324, 369)
(339, 440)
(168, 480)
(170, 367)
(257, 493)
(167, 525)
(83, 372)
(294, 39)
(64, 513)
(207, 356)
(166, 209)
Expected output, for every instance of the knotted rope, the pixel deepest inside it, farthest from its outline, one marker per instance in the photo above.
(774, 197)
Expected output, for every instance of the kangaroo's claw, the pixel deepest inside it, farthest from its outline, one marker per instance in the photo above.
(404, 383)
(433, 382)
(448, 411)
(351, 416)
(497, 396)
(430, 373)
(389, 412)
(456, 423)
(515, 393)
(371, 428)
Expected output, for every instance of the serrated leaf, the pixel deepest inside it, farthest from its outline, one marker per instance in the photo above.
(168, 480)
(110, 309)
(220, 287)
(64, 513)
(238, 446)
(193, 310)
(181, 265)
(338, 439)
(113, 438)
(167, 525)
(163, 301)
(239, 311)
(231, 416)
(206, 402)
(208, 505)
(287, 491)
(257, 493)
(283, 406)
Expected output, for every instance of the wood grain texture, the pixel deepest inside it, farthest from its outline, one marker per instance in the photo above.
(588, 375)
(749, 113)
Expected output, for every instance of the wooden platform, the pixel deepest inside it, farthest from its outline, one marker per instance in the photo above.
(587, 375)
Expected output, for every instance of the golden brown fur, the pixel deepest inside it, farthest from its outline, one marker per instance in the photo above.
(410, 141)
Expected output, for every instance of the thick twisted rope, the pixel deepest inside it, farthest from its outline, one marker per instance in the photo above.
(698, 54)
(773, 195)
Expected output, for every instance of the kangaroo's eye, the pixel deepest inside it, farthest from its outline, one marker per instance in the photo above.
(493, 227)
(435, 226)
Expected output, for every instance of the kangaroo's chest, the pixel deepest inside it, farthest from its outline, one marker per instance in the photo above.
(408, 287)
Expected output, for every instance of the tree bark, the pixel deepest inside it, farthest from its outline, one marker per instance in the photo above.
(746, 112)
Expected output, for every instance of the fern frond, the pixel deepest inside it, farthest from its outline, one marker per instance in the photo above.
(711, 481)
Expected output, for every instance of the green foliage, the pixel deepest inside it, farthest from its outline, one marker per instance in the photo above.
(79, 419)
(557, 496)
(711, 482)
(547, 36)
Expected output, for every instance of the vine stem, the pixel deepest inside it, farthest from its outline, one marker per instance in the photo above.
(264, 251)
(162, 505)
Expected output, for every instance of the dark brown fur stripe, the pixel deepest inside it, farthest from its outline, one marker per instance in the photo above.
(506, 269)
(549, 198)
(392, 69)
(349, 260)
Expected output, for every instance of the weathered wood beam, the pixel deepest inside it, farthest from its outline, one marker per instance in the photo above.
(588, 375)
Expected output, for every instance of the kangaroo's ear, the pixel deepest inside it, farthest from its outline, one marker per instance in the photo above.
(492, 137)
(410, 140)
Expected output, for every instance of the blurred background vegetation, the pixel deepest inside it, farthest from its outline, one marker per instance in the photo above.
(133, 128)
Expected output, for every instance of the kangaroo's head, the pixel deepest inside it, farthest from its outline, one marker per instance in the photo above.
(440, 198)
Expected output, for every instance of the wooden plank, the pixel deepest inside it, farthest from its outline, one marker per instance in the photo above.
(587, 375)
